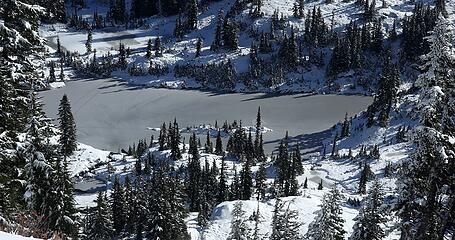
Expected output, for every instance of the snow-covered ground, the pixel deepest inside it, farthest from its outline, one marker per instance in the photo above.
(9, 236)
(182, 51)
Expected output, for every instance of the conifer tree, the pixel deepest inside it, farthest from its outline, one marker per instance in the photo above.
(20, 42)
(368, 223)
(162, 140)
(122, 62)
(284, 223)
(67, 127)
(166, 207)
(118, 206)
(239, 228)
(257, 217)
(158, 48)
(223, 193)
(208, 144)
(194, 175)
(62, 72)
(175, 141)
(62, 211)
(198, 47)
(364, 176)
(192, 15)
(320, 185)
(149, 49)
(261, 178)
(88, 43)
(258, 148)
(235, 187)
(230, 38)
(328, 223)
(218, 144)
(59, 49)
(38, 170)
(101, 227)
(52, 71)
(218, 40)
(423, 177)
(345, 127)
(334, 146)
(179, 30)
(246, 181)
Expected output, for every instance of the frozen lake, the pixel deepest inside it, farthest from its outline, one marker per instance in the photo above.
(111, 115)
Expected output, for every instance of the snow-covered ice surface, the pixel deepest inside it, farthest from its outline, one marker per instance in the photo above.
(110, 115)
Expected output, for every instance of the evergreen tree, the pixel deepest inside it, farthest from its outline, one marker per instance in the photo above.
(158, 48)
(167, 207)
(62, 212)
(52, 72)
(282, 165)
(334, 146)
(175, 141)
(122, 62)
(67, 127)
(162, 139)
(62, 73)
(230, 38)
(284, 224)
(218, 41)
(128, 205)
(261, 178)
(364, 176)
(198, 47)
(218, 144)
(20, 43)
(149, 49)
(192, 15)
(368, 223)
(38, 173)
(239, 228)
(328, 223)
(88, 43)
(101, 227)
(179, 30)
(118, 206)
(258, 148)
(194, 175)
(223, 193)
(320, 185)
(423, 202)
(59, 49)
(345, 127)
(246, 181)
(208, 144)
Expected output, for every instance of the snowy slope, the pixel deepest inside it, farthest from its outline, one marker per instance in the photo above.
(9, 236)
(182, 52)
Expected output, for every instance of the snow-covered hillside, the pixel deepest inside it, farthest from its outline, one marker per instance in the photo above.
(181, 52)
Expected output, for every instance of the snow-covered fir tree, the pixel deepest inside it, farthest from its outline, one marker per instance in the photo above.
(239, 227)
(425, 183)
(369, 222)
(285, 223)
(328, 223)
(67, 127)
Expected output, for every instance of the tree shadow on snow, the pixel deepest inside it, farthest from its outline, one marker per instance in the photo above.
(309, 144)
